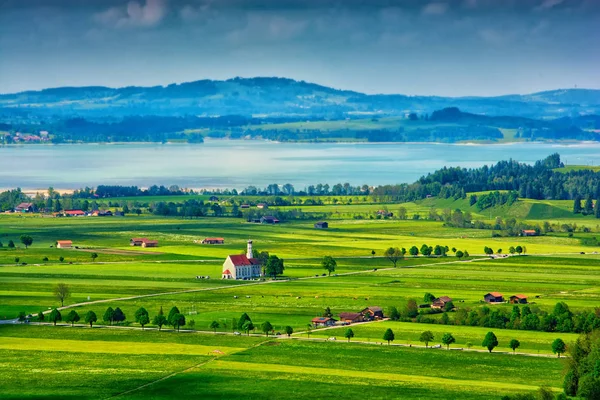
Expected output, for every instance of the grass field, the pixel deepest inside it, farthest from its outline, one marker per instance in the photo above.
(150, 365)
(121, 359)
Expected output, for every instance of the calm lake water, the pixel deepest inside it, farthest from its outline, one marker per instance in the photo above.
(237, 164)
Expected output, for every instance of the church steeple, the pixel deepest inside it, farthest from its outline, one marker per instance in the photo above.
(249, 253)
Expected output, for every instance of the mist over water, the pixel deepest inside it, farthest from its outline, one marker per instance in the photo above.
(237, 164)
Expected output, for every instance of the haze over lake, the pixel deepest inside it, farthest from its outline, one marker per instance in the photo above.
(237, 164)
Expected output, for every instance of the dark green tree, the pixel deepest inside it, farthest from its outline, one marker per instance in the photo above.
(490, 341)
(94, 256)
(160, 319)
(426, 337)
(577, 205)
(11, 244)
(142, 317)
(247, 327)
(394, 313)
(178, 321)
(329, 264)
(349, 334)
(389, 336)
(514, 344)
(588, 207)
(214, 326)
(288, 330)
(266, 327)
(414, 251)
(559, 347)
(54, 316)
(90, 318)
(109, 315)
(72, 317)
(448, 339)
(274, 266)
(428, 298)
(118, 315)
(40, 316)
(26, 240)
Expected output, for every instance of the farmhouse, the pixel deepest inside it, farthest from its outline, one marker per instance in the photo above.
(372, 313)
(518, 299)
(441, 302)
(350, 317)
(529, 232)
(243, 266)
(262, 205)
(64, 244)
(245, 206)
(102, 213)
(493, 297)
(143, 242)
(323, 321)
(322, 225)
(213, 241)
(270, 220)
(73, 213)
(25, 208)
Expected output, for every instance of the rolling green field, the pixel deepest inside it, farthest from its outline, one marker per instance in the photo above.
(133, 363)
(154, 365)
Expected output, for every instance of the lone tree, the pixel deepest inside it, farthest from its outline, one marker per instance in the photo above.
(426, 337)
(214, 326)
(72, 317)
(459, 254)
(519, 249)
(62, 292)
(329, 264)
(274, 266)
(349, 334)
(11, 244)
(94, 256)
(288, 330)
(266, 327)
(389, 336)
(26, 240)
(394, 254)
(559, 347)
(448, 339)
(109, 315)
(40, 316)
(160, 319)
(490, 341)
(142, 317)
(54, 316)
(90, 318)
(514, 345)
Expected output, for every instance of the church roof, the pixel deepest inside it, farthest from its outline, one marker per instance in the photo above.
(241, 259)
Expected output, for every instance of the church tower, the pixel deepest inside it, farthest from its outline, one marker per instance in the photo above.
(249, 253)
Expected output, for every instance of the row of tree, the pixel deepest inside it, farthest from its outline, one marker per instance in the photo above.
(589, 207)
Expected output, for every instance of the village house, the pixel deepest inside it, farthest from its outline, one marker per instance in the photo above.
(322, 225)
(441, 302)
(373, 312)
(262, 205)
(268, 219)
(493, 297)
(518, 299)
(25, 208)
(73, 213)
(385, 213)
(320, 322)
(350, 317)
(245, 206)
(242, 266)
(101, 213)
(213, 241)
(529, 232)
(64, 244)
(143, 242)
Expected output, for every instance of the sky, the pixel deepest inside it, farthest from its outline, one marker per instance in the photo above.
(415, 47)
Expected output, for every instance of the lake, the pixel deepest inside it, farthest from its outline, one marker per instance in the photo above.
(237, 164)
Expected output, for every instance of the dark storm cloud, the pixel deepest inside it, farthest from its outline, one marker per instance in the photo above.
(411, 46)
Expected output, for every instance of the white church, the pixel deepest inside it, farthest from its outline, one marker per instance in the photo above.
(242, 266)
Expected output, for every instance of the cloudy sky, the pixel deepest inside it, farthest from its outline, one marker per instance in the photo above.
(442, 47)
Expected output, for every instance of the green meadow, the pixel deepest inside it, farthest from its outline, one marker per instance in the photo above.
(136, 363)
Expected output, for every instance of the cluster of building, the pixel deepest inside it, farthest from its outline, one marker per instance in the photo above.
(372, 313)
(19, 137)
(143, 242)
(496, 298)
(31, 208)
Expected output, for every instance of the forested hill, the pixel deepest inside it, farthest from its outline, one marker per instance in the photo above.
(538, 181)
(279, 97)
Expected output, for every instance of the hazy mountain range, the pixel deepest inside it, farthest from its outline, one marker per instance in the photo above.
(279, 97)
